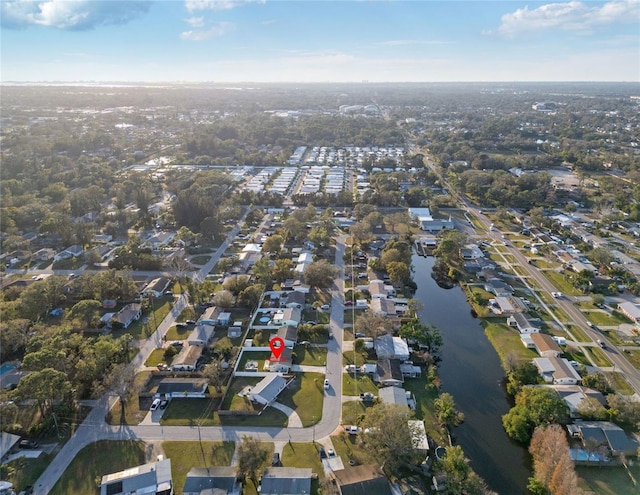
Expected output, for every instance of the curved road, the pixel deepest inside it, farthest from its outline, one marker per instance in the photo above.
(95, 428)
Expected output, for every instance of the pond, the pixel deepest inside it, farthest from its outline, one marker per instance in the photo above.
(470, 370)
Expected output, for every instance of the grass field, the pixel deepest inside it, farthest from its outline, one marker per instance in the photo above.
(305, 396)
(633, 356)
(598, 356)
(311, 356)
(578, 333)
(358, 384)
(561, 283)
(346, 446)
(352, 411)
(608, 481)
(186, 455)
(605, 319)
(96, 460)
(619, 384)
(155, 358)
(506, 340)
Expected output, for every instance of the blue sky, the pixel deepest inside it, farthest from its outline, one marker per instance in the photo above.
(319, 41)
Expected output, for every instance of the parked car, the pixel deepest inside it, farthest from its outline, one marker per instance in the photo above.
(330, 335)
(155, 404)
(275, 459)
(367, 397)
(181, 325)
(325, 307)
(351, 429)
(177, 343)
(322, 452)
(28, 444)
(163, 367)
(164, 403)
(331, 452)
(359, 335)
(190, 322)
(326, 384)
(348, 303)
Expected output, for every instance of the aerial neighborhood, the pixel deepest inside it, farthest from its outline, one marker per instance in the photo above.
(380, 296)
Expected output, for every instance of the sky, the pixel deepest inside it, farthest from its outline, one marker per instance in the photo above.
(319, 41)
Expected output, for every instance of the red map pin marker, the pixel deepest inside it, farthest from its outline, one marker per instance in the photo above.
(277, 346)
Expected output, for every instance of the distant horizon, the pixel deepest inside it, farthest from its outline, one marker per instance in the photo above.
(178, 82)
(345, 41)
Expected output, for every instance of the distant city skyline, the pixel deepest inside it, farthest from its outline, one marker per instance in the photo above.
(319, 41)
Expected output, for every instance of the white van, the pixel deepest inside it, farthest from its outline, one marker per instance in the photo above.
(155, 404)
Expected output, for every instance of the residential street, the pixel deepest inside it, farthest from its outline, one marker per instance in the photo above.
(94, 427)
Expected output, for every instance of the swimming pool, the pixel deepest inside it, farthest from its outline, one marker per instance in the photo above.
(6, 367)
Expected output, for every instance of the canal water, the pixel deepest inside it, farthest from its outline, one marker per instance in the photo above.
(470, 370)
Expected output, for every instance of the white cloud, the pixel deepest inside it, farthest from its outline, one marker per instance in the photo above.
(195, 22)
(69, 14)
(193, 5)
(217, 30)
(569, 16)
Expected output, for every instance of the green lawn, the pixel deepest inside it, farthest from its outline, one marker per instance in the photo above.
(619, 384)
(609, 480)
(96, 460)
(561, 283)
(186, 455)
(578, 333)
(25, 471)
(188, 313)
(303, 455)
(598, 356)
(352, 411)
(425, 409)
(310, 356)
(605, 319)
(175, 333)
(505, 340)
(305, 396)
(352, 357)
(248, 355)
(358, 384)
(155, 358)
(633, 356)
(346, 446)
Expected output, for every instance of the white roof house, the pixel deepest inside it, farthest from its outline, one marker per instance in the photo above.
(267, 390)
(391, 347)
(630, 310)
(557, 371)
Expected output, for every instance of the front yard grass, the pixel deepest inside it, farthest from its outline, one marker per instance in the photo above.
(425, 410)
(346, 446)
(353, 410)
(598, 356)
(26, 471)
(96, 460)
(619, 384)
(155, 358)
(303, 455)
(186, 455)
(352, 357)
(633, 356)
(505, 340)
(605, 319)
(561, 283)
(609, 480)
(310, 356)
(358, 384)
(305, 396)
(175, 333)
(578, 333)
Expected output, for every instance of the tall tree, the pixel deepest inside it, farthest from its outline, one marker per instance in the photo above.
(251, 457)
(320, 274)
(552, 465)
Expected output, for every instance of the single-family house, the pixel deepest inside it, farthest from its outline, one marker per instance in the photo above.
(557, 371)
(74, 251)
(574, 395)
(286, 481)
(102, 238)
(287, 316)
(234, 332)
(201, 335)
(498, 287)
(158, 240)
(427, 222)
(393, 395)
(215, 316)
(252, 248)
(212, 480)
(383, 307)
(7, 442)
(471, 252)
(388, 372)
(157, 286)
(545, 345)
(289, 334)
(153, 478)
(409, 370)
(293, 299)
(182, 388)
(247, 260)
(44, 254)
(510, 305)
(377, 289)
(187, 358)
(364, 479)
(127, 315)
(522, 322)
(282, 364)
(388, 346)
(266, 391)
(630, 310)
(608, 435)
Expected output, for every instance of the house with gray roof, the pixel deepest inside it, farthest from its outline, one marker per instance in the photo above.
(153, 478)
(557, 371)
(293, 299)
(289, 334)
(286, 481)
(388, 346)
(388, 372)
(523, 323)
(127, 315)
(608, 435)
(364, 479)
(201, 335)
(214, 480)
(266, 391)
